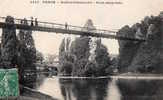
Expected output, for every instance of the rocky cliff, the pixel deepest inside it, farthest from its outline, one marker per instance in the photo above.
(142, 56)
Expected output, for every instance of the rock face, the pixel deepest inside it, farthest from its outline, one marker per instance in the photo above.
(8, 46)
(142, 56)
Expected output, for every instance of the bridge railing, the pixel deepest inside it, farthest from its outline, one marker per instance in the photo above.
(56, 25)
(68, 27)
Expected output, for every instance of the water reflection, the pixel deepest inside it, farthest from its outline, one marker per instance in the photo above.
(113, 91)
(103, 89)
(133, 89)
(84, 89)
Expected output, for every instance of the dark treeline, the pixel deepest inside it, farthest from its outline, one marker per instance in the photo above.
(142, 57)
(18, 51)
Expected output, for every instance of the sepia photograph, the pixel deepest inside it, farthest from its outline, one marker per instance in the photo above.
(81, 50)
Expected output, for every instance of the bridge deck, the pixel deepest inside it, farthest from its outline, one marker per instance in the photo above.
(61, 28)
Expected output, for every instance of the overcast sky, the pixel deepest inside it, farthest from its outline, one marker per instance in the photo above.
(103, 16)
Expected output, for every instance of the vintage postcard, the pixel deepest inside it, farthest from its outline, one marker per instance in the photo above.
(81, 50)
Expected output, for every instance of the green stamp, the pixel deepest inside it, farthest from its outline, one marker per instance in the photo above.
(9, 86)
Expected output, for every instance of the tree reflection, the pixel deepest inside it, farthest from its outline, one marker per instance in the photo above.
(84, 89)
(140, 89)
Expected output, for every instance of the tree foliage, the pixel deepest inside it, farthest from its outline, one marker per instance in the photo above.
(39, 57)
(27, 50)
(26, 56)
(8, 46)
(77, 58)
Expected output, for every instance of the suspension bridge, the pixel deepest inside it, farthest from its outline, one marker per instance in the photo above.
(66, 29)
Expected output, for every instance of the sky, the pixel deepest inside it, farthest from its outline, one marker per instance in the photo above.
(104, 16)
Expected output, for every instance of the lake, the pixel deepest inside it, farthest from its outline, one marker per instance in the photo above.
(103, 88)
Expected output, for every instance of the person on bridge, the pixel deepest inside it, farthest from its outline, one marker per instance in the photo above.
(21, 22)
(36, 22)
(31, 21)
(66, 26)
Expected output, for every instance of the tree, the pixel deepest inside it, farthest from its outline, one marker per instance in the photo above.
(79, 53)
(39, 57)
(80, 47)
(62, 48)
(27, 47)
(102, 59)
(9, 44)
(26, 55)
